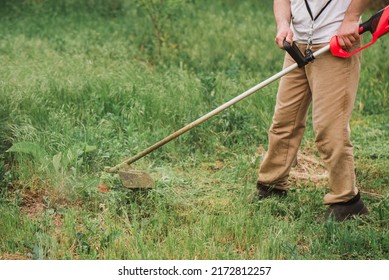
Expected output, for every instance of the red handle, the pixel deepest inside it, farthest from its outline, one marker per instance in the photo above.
(378, 25)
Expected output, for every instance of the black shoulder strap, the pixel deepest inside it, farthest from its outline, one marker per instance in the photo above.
(310, 12)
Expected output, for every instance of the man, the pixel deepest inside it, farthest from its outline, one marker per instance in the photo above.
(330, 84)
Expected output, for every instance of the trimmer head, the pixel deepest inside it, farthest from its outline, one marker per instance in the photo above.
(136, 179)
(130, 178)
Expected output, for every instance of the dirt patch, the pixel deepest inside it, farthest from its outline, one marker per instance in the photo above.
(33, 204)
(13, 256)
(307, 168)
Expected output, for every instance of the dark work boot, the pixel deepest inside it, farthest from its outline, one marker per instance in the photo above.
(264, 191)
(344, 210)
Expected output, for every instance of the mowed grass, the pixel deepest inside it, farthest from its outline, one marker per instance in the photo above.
(85, 84)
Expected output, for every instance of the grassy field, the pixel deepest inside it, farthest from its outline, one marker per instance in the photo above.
(84, 84)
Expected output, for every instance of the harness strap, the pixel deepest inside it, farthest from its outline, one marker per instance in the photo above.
(309, 41)
(310, 11)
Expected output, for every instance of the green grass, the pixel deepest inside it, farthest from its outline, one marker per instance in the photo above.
(83, 88)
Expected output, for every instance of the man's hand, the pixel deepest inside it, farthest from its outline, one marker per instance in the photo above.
(348, 33)
(284, 33)
(282, 14)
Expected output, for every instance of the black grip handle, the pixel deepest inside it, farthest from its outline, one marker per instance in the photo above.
(295, 53)
(372, 23)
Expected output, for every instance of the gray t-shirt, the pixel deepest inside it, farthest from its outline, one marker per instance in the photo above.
(324, 27)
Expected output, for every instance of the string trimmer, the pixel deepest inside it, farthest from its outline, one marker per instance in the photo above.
(377, 25)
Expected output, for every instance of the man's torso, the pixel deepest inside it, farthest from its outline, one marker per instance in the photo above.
(324, 26)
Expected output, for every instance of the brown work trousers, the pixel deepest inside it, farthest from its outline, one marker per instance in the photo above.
(330, 84)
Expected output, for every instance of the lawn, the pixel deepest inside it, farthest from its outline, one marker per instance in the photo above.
(85, 84)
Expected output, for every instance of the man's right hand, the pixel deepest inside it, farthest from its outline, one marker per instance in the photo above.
(284, 33)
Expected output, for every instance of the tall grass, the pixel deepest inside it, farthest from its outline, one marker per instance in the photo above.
(84, 84)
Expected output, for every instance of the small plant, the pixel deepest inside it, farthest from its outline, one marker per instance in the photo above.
(161, 14)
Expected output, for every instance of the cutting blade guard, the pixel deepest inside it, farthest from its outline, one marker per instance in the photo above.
(377, 25)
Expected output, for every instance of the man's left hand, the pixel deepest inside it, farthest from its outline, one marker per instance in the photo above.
(348, 34)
